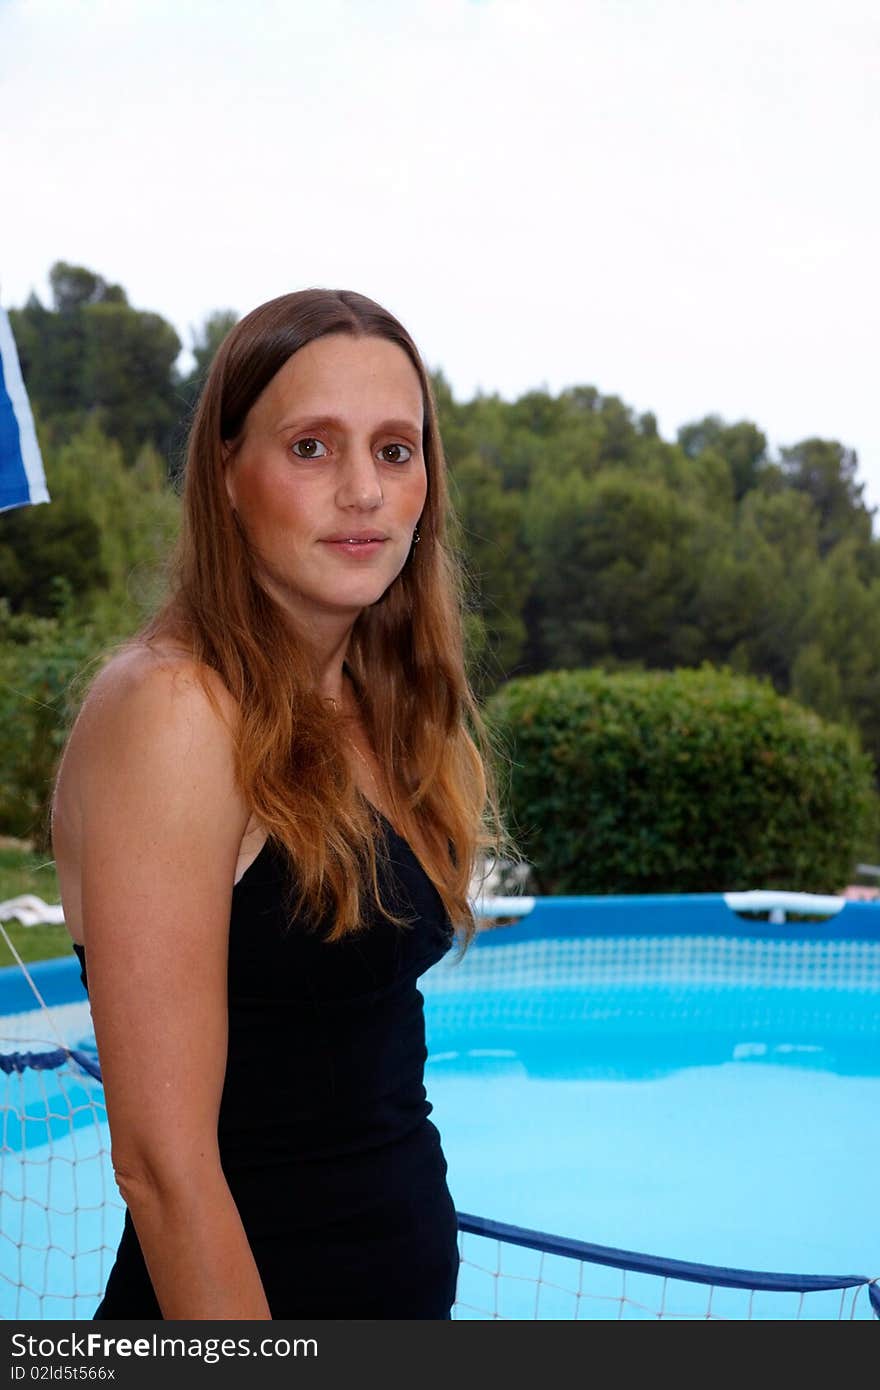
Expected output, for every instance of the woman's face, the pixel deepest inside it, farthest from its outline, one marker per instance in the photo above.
(329, 480)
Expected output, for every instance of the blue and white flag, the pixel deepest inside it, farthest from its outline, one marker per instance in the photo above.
(22, 480)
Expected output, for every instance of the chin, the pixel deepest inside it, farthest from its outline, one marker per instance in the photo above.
(376, 594)
(354, 599)
(369, 591)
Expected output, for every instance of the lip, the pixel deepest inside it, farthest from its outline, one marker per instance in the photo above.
(355, 536)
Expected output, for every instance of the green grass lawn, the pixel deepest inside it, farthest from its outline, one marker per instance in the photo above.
(22, 871)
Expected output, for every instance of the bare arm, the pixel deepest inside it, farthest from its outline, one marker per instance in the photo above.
(162, 821)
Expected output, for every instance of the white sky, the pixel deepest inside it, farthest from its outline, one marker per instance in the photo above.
(676, 201)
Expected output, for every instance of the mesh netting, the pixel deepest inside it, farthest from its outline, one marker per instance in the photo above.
(511, 1273)
(60, 1211)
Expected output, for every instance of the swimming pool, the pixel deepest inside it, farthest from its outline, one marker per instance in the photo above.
(658, 1076)
(708, 1090)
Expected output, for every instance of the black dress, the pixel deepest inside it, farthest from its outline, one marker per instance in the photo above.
(324, 1135)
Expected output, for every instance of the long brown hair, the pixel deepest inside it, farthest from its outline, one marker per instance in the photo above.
(405, 654)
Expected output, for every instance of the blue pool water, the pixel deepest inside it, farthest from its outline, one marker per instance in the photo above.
(763, 1163)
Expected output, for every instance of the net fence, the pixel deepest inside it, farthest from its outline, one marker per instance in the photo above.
(60, 1211)
(589, 961)
(508, 1272)
(61, 1215)
(693, 995)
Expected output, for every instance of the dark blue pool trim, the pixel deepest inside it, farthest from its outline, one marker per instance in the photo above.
(668, 1269)
(688, 914)
(48, 1061)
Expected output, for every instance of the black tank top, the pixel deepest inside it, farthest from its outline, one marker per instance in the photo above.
(323, 1127)
(327, 1040)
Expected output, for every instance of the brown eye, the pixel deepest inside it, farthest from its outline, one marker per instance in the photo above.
(309, 449)
(395, 453)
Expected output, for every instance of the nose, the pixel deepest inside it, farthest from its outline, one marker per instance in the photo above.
(360, 485)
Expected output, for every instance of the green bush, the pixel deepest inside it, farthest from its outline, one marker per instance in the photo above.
(43, 665)
(69, 593)
(690, 781)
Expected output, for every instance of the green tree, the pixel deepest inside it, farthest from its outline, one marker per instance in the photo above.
(74, 287)
(777, 547)
(41, 544)
(825, 472)
(206, 339)
(106, 531)
(618, 565)
(128, 374)
(838, 665)
(94, 356)
(493, 545)
(43, 664)
(742, 446)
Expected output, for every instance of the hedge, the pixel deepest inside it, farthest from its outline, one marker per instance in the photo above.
(687, 781)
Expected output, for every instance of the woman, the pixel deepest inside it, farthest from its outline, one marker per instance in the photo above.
(265, 822)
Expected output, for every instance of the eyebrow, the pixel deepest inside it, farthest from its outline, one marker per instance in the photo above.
(332, 422)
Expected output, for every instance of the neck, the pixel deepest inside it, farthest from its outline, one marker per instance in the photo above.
(331, 678)
(332, 685)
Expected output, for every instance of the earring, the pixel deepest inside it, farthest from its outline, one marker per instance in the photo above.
(416, 537)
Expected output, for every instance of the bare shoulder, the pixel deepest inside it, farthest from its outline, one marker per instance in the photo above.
(156, 729)
(141, 675)
(142, 693)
